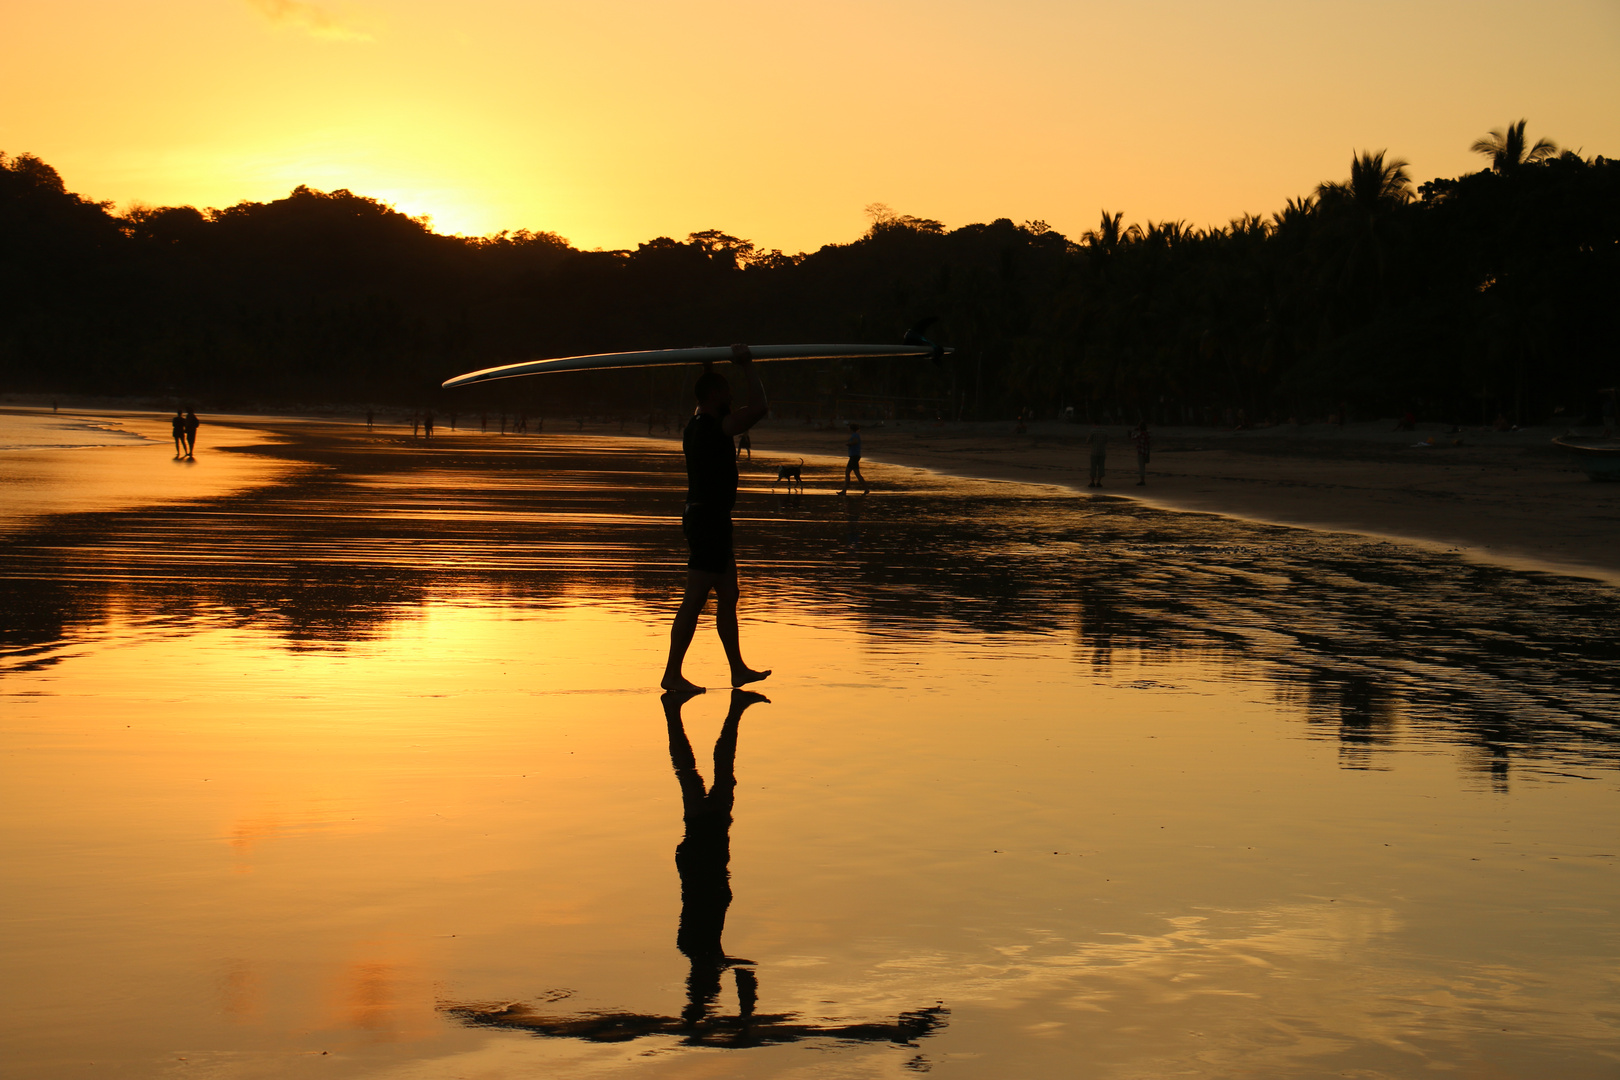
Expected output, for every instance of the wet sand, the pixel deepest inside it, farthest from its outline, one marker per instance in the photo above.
(357, 772)
(1510, 498)
(80, 460)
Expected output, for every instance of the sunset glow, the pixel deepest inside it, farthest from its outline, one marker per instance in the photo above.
(614, 122)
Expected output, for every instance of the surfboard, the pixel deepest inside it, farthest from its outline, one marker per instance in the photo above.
(668, 357)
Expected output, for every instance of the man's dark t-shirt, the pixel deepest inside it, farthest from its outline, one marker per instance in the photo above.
(711, 465)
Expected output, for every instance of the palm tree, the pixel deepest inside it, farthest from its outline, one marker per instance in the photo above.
(1358, 213)
(1507, 150)
(1374, 184)
(1107, 235)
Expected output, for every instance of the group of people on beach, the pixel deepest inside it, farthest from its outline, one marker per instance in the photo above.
(1097, 441)
(184, 425)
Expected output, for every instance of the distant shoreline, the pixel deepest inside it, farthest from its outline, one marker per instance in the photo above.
(1503, 498)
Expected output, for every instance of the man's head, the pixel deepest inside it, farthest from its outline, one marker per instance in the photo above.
(712, 391)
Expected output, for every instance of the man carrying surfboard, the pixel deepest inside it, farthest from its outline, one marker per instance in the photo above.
(711, 492)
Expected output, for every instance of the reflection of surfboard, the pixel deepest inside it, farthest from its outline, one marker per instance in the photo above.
(665, 357)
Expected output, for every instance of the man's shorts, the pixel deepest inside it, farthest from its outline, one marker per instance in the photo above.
(708, 535)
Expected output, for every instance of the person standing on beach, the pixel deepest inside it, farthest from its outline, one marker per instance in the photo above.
(427, 424)
(1144, 448)
(853, 466)
(191, 426)
(711, 492)
(1098, 441)
(177, 426)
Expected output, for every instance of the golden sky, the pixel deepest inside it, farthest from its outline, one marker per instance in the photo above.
(614, 121)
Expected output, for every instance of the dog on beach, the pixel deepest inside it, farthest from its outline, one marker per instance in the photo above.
(791, 473)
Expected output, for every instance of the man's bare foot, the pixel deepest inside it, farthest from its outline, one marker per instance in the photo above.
(677, 684)
(745, 676)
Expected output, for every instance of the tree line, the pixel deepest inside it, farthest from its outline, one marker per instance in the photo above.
(1490, 294)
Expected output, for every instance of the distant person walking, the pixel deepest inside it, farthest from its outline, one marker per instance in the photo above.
(191, 426)
(745, 445)
(853, 465)
(177, 425)
(1098, 441)
(427, 425)
(370, 417)
(1144, 450)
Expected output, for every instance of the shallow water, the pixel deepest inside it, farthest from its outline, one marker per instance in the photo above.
(99, 460)
(360, 774)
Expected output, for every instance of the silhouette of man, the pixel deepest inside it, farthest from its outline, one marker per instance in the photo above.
(1143, 439)
(854, 463)
(192, 424)
(1098, 441)
(703, 860)
(711, 492)
(177, 425)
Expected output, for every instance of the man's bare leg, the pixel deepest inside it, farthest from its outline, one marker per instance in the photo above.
(725, 621)
(699, 583)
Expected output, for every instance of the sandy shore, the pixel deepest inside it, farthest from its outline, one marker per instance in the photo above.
(1510, 498)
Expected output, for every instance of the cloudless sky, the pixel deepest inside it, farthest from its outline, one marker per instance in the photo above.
(614, 121)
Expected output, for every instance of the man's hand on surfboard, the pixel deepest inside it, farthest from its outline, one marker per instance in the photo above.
(741, 354)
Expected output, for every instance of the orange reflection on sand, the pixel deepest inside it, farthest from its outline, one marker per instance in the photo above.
(388, 995)
(241, 991)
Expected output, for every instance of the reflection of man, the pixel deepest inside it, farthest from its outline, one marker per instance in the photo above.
(711, 492)
(703, 860)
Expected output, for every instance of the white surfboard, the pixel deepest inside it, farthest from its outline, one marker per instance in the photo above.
(666, 357)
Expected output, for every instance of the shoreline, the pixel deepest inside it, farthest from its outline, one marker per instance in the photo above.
(1502, 498)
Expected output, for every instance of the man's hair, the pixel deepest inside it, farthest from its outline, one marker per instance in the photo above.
(708, 383)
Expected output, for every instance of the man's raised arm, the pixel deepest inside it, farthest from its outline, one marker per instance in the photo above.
(740, 420)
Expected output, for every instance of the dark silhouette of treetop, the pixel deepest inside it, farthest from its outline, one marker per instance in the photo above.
(1507, 148)
(1375, 185)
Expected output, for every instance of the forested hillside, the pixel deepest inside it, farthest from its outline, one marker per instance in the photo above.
(1493, 293)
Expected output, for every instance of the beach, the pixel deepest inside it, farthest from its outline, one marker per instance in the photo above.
(1505, 497)
(352, 765)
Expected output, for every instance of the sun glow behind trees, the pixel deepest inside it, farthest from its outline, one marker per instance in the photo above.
(616, 121)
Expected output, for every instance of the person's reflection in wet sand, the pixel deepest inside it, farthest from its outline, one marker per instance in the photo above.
(852, 517)
(703, 860)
